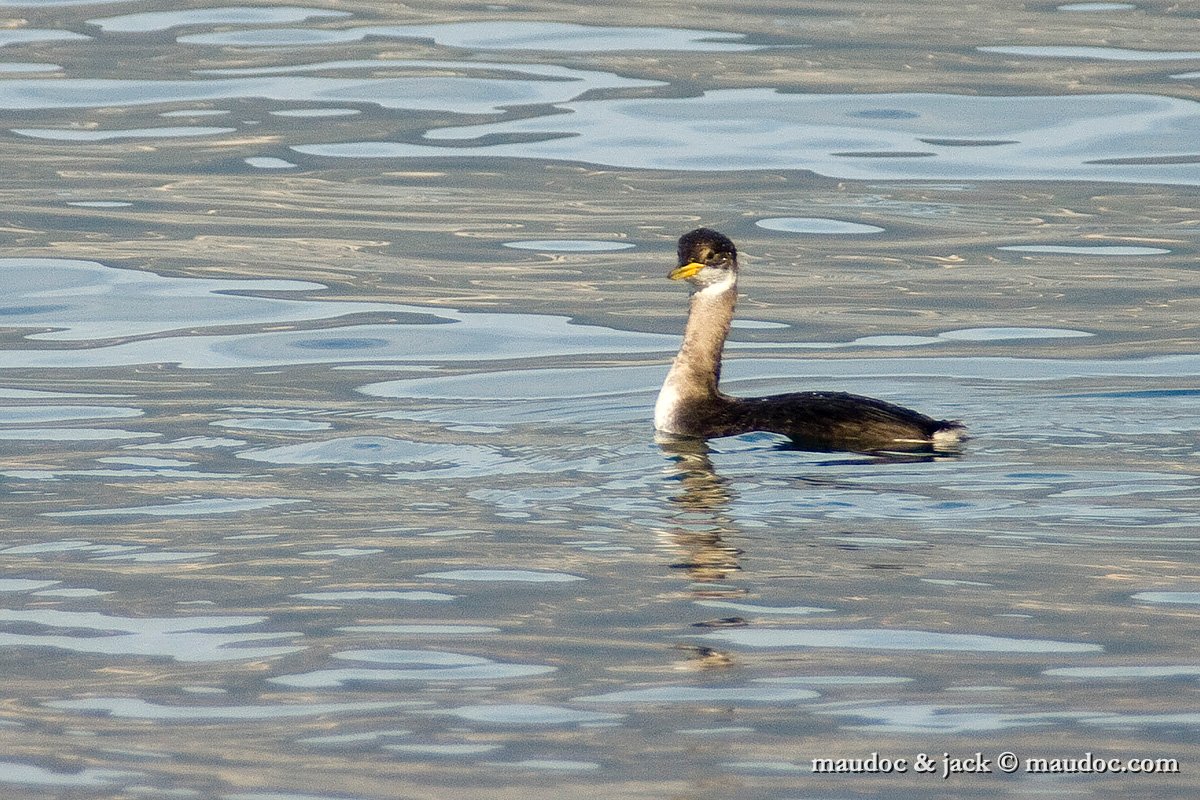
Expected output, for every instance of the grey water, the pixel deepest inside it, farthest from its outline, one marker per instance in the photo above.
(329, 336)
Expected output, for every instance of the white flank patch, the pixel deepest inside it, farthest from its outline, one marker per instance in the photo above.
(665, 407)
(947, 436)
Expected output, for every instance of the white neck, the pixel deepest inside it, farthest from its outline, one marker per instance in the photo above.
(696, 371)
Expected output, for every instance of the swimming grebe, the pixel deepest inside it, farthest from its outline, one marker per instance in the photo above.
(691, 404)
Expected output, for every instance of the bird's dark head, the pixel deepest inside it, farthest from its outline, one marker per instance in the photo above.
(706, 258)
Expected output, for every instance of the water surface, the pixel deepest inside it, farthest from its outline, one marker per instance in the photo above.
(330, 337)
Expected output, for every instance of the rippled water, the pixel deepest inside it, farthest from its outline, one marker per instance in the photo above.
(330, 334)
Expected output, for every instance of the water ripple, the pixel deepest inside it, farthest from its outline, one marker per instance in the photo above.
(1053, 137)
(494, 35)
(191, 639)
(133, 708)
(674, 695)
(895, 640)
(1100, 53)
(468, 93)
(88, 777)
(522, 714)
(944, 719)
(231, 15)
(77, 135)
(23, 35)
(183, 508)
(503, 575)
(411, 665)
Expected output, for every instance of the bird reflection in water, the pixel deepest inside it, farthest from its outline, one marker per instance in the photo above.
(700, 521)
(698, 526)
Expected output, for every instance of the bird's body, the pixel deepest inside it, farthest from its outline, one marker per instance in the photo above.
(691, 403)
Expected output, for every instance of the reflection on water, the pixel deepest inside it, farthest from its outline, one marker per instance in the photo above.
(23, 35)
(1090, 250)
(232, 15)
(567, 246)
(1106, 53)
(1097, 7)
(490, 35)
(463, 94)
(895, 639)
(335, 473)
(185, 639)
(80, 300)
(697, 528)
(810, 225)
(864, 136)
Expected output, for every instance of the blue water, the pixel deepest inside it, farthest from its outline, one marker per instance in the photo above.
(330, 338)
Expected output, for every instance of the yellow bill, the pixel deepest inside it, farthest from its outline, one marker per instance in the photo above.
(686, 271)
